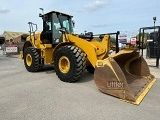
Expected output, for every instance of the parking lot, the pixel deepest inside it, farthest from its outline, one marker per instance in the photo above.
(42, 96)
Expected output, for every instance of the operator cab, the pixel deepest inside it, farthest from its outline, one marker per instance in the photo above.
(52, 23)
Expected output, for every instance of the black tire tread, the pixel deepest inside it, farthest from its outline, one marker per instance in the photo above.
(36, 66)
(79, 60)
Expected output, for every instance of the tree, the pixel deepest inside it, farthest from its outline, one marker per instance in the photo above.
(146, 36)
(113, 40)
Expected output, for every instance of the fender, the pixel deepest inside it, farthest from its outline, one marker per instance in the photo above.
(60, 45)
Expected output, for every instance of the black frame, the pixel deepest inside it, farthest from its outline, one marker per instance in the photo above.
(116, 33)
(158, 40)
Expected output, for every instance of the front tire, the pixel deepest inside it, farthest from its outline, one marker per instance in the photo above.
(69, 63)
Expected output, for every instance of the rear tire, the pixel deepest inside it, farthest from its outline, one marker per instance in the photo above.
(32, 60)
(69, 63)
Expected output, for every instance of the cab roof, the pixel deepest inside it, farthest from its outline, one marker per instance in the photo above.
(59, 13)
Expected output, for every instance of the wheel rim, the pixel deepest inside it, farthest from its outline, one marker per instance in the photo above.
(28, 59)
(64, 64)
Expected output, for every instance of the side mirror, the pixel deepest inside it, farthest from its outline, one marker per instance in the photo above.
(73, 22)
(40, 15)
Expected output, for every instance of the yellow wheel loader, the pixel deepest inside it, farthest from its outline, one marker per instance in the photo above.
(124, 75)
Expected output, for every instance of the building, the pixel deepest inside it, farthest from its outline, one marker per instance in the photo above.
(14, 37)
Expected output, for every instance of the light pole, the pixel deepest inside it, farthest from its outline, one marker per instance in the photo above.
(154, 19)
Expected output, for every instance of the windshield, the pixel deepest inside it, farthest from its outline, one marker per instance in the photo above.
(66, 22)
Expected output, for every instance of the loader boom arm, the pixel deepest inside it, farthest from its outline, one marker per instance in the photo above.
(94, 49)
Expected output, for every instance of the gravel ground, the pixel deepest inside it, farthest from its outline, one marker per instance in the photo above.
(42, 96)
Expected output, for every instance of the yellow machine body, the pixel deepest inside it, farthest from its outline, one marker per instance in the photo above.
(99, 49)
(125, 74)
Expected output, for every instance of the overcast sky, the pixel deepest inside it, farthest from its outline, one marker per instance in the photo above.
(98, 16)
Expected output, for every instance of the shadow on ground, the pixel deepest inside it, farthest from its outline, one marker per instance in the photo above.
(86, 77)
(48, 69)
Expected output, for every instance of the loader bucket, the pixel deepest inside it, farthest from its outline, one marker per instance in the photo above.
(124, 75)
